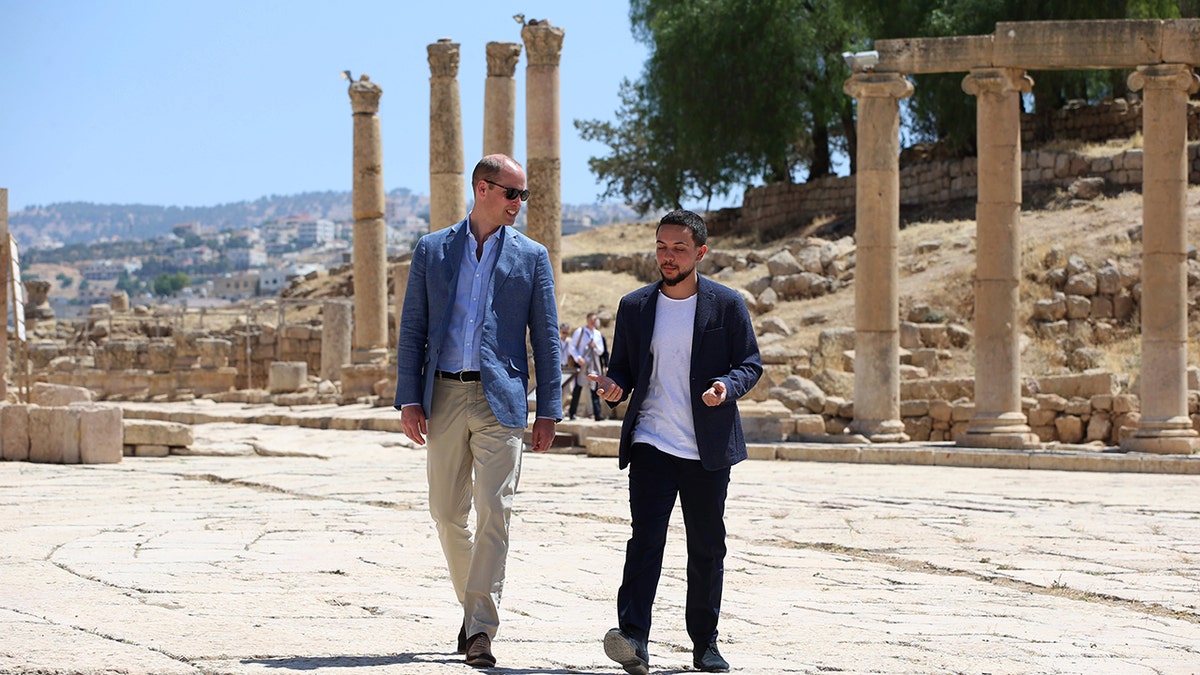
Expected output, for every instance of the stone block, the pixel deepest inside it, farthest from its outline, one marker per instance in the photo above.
(14, 432)
(54, 435)
(155, 432)
(603, 447)
(151, 450)
(1085, 385)
(287, 376)
(48, 395)
(101, 434)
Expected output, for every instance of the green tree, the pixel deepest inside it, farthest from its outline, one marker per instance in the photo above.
(166, 284)
(734, 92)
(64, 280)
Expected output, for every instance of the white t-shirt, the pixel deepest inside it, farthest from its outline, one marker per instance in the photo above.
(665, 420)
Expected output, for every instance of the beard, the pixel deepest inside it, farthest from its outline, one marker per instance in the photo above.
(680, 276)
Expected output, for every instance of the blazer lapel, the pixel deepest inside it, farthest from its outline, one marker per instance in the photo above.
(705, 306)
(506, 259)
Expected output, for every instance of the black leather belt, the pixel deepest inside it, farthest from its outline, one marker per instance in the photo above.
(460, 376)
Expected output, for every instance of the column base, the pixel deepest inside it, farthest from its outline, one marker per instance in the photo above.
(369, 355)
(358, 381)
(1005, 431)
(880, 431)
(998, 441)
(1173, 436)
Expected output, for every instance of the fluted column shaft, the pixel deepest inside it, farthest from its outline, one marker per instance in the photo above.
(543, 47)
(447, 203)
(998, 421)
(877, 222)
(500, 98)
(370, 229)
(1164, 426)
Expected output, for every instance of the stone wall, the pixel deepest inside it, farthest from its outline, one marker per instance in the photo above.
(782, 206)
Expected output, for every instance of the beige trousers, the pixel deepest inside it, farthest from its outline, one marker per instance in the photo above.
(466, 441)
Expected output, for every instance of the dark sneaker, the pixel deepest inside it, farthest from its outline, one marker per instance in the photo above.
(626, 651)
(462, 639)
(708, 659)
(479, 651)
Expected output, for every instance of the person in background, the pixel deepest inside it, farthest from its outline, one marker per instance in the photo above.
(476, 290)
(568, 365)
(684, 352)
(586, 347)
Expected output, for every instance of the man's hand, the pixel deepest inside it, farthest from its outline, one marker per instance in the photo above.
(543, 434)
(412, 420)
(715, 395)
(606, 388)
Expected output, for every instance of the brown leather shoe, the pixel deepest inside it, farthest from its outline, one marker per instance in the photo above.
(462, 639)
(479, 651)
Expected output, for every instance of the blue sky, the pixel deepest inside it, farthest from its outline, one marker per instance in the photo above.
(189, 103)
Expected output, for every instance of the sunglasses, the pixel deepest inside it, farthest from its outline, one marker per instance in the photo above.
(510, 193)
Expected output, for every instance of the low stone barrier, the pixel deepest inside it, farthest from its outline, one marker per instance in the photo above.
(79, 433)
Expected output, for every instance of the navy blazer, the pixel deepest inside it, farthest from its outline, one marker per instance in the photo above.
(519, 296)
(723, 348)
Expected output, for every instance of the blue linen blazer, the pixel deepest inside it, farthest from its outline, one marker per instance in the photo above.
(520, 296)
(723, 348)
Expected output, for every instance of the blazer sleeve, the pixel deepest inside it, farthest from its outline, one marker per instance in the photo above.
(543, 337)
(745, 362)
(414, 330)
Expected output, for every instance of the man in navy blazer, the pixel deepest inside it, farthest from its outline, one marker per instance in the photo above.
(475, 290)
(684, 352)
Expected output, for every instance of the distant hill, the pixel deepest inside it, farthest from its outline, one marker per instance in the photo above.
(83, 222)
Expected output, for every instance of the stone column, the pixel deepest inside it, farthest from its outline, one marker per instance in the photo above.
(446, 205)
(336, 326)
(998, 421)
(543, 222)
(500, 98)
(370, 229)
(876, 281)
(4, 282)
(1164, 427)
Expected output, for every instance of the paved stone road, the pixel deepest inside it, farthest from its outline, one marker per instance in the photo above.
(285, 549)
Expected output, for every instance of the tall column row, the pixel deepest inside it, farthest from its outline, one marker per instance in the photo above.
(1164, 426)
(877, 222)
(543, 220)
(999, 421)
(447, 203)
(370, 228)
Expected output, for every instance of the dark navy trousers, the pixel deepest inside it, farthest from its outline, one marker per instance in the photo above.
(655, 479)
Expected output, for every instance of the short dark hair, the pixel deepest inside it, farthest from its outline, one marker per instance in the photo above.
(689, 220)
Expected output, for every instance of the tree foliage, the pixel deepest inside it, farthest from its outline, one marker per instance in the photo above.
(734, 92)
(166, 284)
(740, 91)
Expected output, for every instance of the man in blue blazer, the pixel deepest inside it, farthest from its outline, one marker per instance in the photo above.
(684, 352)
(475, 290)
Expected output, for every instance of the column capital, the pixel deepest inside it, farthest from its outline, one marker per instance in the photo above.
(364, 96)
(543, 42)
(502, 58)
(997, 81)
(443, 58)
(878, 85)
(1178, 76)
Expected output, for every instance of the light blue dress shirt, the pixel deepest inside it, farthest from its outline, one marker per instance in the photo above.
(461, 349)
